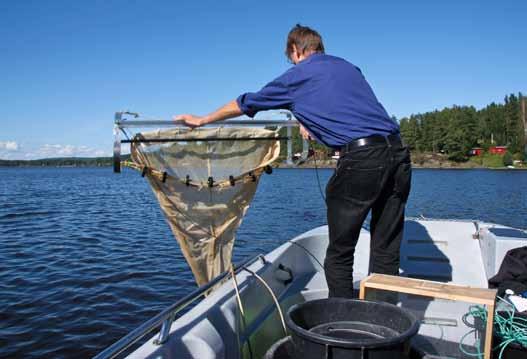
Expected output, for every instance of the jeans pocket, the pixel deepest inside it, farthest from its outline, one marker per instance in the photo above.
(403, 180)
(353, 180)
(364, 183)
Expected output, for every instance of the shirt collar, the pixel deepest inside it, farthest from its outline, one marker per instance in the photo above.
(311, 57)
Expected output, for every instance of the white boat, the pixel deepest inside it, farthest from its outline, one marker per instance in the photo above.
(460, 252)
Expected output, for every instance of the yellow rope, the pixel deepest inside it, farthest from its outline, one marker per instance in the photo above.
(242, 312)
(276, 302)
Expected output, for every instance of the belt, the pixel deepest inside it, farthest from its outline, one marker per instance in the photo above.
(390, 140)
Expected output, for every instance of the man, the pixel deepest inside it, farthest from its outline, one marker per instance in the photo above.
(336, 106)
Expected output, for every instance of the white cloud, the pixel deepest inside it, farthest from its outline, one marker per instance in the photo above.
(8, 145)
(10, 150)
(56, 150)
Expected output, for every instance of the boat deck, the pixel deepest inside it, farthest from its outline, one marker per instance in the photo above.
(460, 252)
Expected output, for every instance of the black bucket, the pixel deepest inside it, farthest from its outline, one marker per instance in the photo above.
(348, 328)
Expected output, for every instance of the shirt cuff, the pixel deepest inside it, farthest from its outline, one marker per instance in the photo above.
(243, 106)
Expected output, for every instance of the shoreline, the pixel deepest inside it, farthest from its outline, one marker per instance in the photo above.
(302, 166)
(419, 160)
(419, 167)
(329, 164)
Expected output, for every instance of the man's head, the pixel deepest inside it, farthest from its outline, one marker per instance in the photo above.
(302, 41)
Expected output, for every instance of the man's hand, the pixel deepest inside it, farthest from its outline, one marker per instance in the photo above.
(190, 120)
(229, 110)
(303, 132)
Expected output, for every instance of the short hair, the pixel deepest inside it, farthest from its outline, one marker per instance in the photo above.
(305, 39)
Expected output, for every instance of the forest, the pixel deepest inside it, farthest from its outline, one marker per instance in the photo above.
(455, 130)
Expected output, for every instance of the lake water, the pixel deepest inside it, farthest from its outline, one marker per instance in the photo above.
(86, 255)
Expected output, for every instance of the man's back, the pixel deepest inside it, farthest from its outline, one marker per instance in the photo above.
(329, 96)
(337, 107)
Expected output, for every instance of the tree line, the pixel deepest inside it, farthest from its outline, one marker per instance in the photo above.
(455, 130)
(60, 162)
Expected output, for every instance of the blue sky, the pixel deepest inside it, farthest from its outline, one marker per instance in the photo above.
(67, 66)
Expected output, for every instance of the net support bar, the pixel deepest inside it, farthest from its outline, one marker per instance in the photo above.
(161, 140)
(121, 123)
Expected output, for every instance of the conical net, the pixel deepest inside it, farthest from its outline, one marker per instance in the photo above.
(204, 183)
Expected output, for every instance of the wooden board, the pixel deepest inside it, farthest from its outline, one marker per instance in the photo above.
(440, 290)
(430, 289)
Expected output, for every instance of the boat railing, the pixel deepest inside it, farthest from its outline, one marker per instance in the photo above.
(126, 120)
(168, 315)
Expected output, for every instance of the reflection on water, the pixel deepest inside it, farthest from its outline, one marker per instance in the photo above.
(86, 255)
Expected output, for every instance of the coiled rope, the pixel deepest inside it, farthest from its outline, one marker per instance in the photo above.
(509, 328)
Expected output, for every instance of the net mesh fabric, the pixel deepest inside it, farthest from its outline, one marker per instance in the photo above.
(204, 219)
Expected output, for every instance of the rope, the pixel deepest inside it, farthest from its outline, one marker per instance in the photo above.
(510, 328)
(316, 172)
(475, 311)
(308, 252)
(242, 312)
(277, 304)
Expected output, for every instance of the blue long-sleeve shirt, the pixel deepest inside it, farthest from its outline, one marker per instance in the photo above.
(329, 96)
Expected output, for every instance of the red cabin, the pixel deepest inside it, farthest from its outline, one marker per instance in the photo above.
(476, 151)
(498, 150)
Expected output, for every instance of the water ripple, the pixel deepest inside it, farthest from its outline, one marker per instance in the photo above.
(87, 255)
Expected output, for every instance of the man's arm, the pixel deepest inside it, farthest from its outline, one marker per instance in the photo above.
(274, 95)
(229, 110)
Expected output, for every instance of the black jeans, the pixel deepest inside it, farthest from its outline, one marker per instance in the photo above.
(377, 178)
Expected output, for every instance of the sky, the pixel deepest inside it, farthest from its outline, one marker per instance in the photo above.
(67, 66)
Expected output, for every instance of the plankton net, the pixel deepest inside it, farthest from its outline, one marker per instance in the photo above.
(204, 180)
